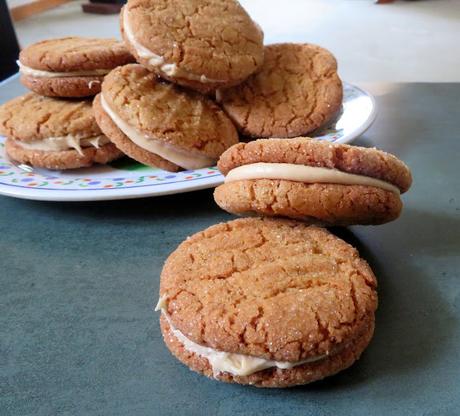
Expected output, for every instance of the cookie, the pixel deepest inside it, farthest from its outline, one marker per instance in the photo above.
(70, 67)
(312, 180)
(296, 91)
(159, 124)
(200, 44)
(267, 302)
(54, 133)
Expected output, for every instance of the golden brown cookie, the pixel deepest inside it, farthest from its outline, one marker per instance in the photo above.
(200, 44)
(296, 91)
(70, 67)
(268, 302)
(54, 133)
(160, 124)
(312, 180)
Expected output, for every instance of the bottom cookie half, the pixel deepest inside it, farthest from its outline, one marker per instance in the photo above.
(64, 87)
(68, 159)
(274, 377)
(329, 204)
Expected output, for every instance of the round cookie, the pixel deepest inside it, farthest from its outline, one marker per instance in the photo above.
(159, 124)
(54, 133)
(296, 91)
(312, 180)
(200, 44)
(71, 66)
(267, 302)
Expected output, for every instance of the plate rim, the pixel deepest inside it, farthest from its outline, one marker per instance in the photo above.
(354, 134)
(57, 195)
(72, 195)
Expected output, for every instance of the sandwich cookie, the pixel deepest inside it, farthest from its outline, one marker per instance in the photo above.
(312, 180)
(296, 91)
(70, 67)
(200, 44)
(160, 125)
(266, 302)
(54, 134)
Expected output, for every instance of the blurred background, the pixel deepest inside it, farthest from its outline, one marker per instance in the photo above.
(400, 41)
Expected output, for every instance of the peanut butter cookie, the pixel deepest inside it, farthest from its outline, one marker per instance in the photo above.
(267, 302)
(159, 124)
(296, 91)
(200, 44)
(312, 180)
(54, 133)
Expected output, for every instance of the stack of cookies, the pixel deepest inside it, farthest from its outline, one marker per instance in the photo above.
(273, 301)
(203, 80)
(54, 126)
(278, 301)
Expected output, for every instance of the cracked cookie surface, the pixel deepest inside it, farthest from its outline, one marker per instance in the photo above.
(72, 54)
(296, 91)
(274, 289)
(215, 39)
(318, 203)
(32, 117)
(167, 113)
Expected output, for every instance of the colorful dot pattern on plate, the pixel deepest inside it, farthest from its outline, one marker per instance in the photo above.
(126, 175)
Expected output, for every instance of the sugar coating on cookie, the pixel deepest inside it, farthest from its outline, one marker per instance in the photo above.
(160, 124)
(53, 133)
(312, 180)
(296, 91)
(200, 44)
(71, 66)
(267, 302)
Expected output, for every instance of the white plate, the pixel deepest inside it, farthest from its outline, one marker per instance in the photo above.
(125, 178)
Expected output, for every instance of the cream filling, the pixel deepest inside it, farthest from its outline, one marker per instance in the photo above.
(233, 363)
(38, 73)
(302, 173)
(183, 158)
(155, 60)
(59, 144)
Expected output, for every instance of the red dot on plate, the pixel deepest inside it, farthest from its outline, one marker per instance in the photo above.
(32, 184)
(108, 186)
(189, 177)
(129, 181)
(1, 171)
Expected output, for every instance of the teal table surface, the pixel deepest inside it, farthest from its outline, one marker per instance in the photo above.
(78, 282)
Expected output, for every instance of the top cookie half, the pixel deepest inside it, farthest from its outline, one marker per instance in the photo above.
(71, 66)
(200, 44)
(368, 162)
